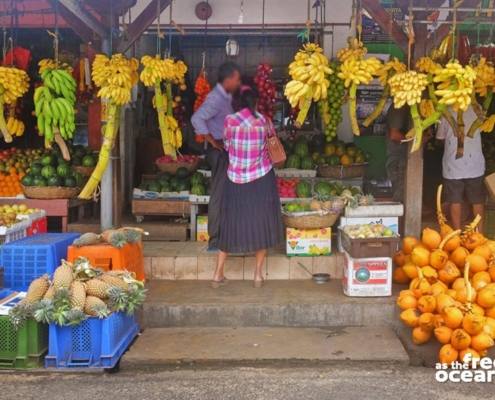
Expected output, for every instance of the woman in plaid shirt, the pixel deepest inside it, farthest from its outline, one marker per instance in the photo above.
(251, 220)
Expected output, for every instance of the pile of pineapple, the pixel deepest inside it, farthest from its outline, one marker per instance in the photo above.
(451, 293)
(78, 291)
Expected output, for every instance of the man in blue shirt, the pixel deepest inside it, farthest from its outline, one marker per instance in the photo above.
(208, 121)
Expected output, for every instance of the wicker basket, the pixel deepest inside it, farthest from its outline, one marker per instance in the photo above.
(50, 192)
(172, 168)
(341, 172)
(84, 171)
(315, 221)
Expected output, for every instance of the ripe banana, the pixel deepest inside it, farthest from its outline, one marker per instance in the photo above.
(14, 83)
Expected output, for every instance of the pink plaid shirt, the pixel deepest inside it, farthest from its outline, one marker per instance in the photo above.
(245, 140)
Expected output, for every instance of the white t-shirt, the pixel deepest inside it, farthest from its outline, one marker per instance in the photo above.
(472, 164)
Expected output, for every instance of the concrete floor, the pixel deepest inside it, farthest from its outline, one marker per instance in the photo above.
(342, 381)
(163, 347)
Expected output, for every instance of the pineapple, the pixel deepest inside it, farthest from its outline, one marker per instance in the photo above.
(20, 313)
(49, 293)
(96, 307)
(97, 288)
(63, 276)
(44, 311)
(132, 236)
(37, 290)
(87, 239)
(74, 317)
(115, 238)
(77, 295)
(114, 280)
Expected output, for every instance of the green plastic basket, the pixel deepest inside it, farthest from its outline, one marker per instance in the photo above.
(23, 348)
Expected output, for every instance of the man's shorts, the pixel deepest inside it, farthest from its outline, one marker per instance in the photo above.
(460, 190)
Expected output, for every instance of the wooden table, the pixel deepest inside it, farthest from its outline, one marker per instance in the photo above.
(54, 207)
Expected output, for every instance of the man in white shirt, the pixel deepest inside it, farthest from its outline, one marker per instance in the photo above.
(463, 177)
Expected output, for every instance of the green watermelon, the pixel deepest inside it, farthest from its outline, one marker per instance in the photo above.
(293, 161)
(303, 189)
(323, 189)
(48, 171)
(47, 160)
(307, 163)
(35, 169)
(79, 179)
(70, 182)
(39, 181)
(76, 160)
(198, 190)
(54, 181)
(89, 161)
(27, 180)
(197, 179)
(182, 173)
(183, 186)
(154, 187)
(301, 149)
(63, 170)
(165, 186)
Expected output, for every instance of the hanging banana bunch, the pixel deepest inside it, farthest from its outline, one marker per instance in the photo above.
(14, 83)
(484, 85)
(309, 82)
(14, 125)
(158, 71)
(54, 103)
(355, 49)
(115, 78)
(354, 72)
(387, 71)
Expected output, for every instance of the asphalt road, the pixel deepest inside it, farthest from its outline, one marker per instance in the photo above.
(323, 382)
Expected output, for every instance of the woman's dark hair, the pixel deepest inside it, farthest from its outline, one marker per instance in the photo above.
(249, 99)
(226, 70)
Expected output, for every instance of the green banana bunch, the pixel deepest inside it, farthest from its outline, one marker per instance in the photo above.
(54, 103)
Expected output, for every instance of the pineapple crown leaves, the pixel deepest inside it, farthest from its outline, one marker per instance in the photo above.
(117, 299)
(136, 297)
(101, 311)
(20, 313)
(118, 239)
(44, 311)
(132, 236)
(74, 317)
(83, 269)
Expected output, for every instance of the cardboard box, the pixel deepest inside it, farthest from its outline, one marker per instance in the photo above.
(309, 242)
(202, 228)
(390, 222)
(367, 277)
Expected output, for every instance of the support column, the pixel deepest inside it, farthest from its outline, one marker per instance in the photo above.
(413, 193)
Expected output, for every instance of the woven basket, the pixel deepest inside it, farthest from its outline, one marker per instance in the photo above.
(341, 172)
(47, 193)
(311, 221)
(84, 171)
(172, 168)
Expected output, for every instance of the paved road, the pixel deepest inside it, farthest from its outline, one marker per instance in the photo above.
(327, 382)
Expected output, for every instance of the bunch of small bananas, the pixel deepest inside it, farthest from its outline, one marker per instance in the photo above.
(175, 136)
(54, 102)
(355, 49)
(309, 72)
(15, 126)
(455, 85)
(157, 69)
(407, 87)
(14, 83)
(444, 50)
(485, 77)
(488, 124)
(355, 71)
(115, 77)
(49, 63)
(426, 108)
(389, 69)
(426, 65)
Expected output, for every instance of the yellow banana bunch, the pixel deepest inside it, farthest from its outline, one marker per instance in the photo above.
(359, 72)
(14, 83)
(15, 126)
(115, 77)
(426, 65)
(48, 63)
(309, 72)
(407, 87)
(485, 77)
(355, 49)
(158, 69)
(444, 50)
(389, 69)
(455, 85)
(426, 108)
(488, 124)
(174, 134)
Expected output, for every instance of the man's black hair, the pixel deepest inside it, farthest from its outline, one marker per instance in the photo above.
(226, 70)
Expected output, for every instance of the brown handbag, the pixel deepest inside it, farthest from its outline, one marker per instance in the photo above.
(274, 146)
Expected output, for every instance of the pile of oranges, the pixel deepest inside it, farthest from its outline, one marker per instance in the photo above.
(451, 294)
(10, 182)
(14, 163)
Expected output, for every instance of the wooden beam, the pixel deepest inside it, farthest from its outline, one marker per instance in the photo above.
(141, 23)
(386, 22)
(81, 30)
(74, 7)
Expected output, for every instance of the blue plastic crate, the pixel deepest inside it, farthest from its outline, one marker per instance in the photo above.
(95, 343)
(27, 259)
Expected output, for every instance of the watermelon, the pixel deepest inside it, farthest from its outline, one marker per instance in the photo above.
(154, 187)
(293, 161)
(70, 182)
(301, 149)
(174, 182)
(76, 160)
(89, 161)
(79, 179)
(54, 181)
(182, 173)
(39, 181)
(307, 163)
(183, 186)
(323, 189)
(48, 171)
(63, 170)
(303, 189)
(165, 186)
(35, 169)
(197, 179)
(27, 180)
(198, 190)
(47, 160)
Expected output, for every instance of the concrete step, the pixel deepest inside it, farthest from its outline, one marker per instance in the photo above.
(297, 303)
(167, 347)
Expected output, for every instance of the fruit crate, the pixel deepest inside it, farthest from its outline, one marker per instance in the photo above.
(95, 343)
(21, 348)
(27, 259)
(14, 232)
(370, 247)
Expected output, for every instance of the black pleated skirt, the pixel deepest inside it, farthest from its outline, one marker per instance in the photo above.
(250, 219)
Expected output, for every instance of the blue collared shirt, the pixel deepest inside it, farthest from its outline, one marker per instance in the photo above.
(210, 117)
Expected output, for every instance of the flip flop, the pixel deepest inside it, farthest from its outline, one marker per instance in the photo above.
(217, 284)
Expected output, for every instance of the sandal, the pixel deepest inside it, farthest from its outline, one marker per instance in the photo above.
(216, 284)
(258, 283)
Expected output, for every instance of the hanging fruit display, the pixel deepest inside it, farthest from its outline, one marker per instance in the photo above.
(158, 71)
(309, 79)
(451, 295)
(201, 89)
(331, 107)
(114, 78)
(14, 125)
(54, 103)
(14, 83)
(266, 89)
